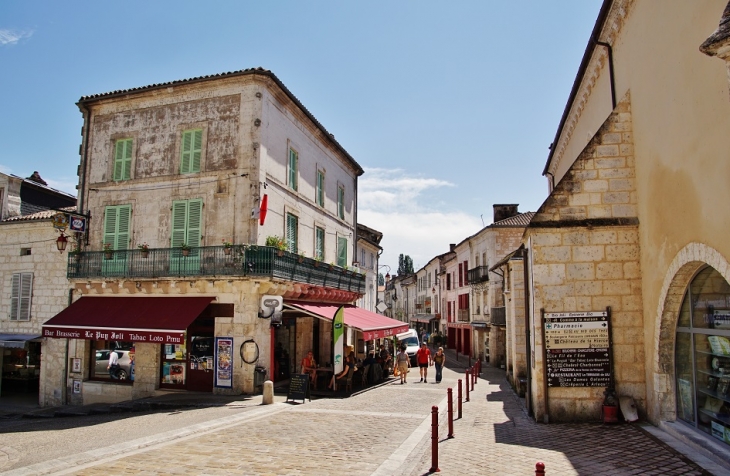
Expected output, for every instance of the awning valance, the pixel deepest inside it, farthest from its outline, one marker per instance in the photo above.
(372, 325)
(160, 320)
(425, 318)
(16, 341)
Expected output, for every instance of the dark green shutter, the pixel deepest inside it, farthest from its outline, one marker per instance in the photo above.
(341, 251)
(319, 244)
(320, 188)
(341, 202)
(293, 159)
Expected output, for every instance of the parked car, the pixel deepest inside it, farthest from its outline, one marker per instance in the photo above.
(410, 339)
(102, 360)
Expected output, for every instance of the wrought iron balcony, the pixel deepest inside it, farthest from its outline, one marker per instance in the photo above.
(479, 274)
(498, 317)
(237, 260)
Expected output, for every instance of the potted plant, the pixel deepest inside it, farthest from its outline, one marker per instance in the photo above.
(76, 252)
(276, 242)
(301, 257)
(145, 249)
(185, 249)
(227, 247)
(108, 251)
(317, 261)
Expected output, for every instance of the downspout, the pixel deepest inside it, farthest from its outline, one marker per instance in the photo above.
(528, 349)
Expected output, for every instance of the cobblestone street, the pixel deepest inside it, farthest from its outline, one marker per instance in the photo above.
(386, 431)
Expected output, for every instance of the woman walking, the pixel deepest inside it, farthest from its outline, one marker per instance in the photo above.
(438, 361)
(404, 362)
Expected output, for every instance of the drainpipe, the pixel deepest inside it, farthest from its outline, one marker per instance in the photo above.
(609, 50)
(528, 349)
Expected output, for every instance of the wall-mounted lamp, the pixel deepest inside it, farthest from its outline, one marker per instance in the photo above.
(61, 243)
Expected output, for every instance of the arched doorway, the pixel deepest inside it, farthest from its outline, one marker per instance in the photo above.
(702, 355)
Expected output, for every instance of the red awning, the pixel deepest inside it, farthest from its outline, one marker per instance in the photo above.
(372, 325)
(160, 320)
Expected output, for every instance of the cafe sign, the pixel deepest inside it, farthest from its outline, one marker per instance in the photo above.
(156, 336)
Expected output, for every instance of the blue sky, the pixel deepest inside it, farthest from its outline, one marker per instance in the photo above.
(448, 106)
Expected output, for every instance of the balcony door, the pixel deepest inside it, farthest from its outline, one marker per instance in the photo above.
(117, 221)
(187, 221)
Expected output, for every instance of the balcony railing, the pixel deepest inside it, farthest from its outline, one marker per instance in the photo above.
(479, 274)
(498, 317)
(237, 260)
(462, 315)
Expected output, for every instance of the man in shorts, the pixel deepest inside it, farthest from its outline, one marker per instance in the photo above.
(423, 357)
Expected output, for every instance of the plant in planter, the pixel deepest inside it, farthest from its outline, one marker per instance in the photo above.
(227, 246)
(301, 257)
(108, 251)
(76, 252)
(145, 249)
(317, 261)
(276, 242)
(185, 249)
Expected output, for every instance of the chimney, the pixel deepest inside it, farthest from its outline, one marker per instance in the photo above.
(503, 211)
(452, 246)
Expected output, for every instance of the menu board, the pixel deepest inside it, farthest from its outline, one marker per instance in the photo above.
(298, 388)
(577, 350)
(224, 362)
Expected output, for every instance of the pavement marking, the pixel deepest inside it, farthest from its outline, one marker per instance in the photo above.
(91, 458)
(400, 456)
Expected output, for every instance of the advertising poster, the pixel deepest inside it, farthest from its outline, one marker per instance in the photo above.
(224, 362)
(338, 337)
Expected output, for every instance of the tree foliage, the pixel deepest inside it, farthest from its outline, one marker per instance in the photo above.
(405, 265)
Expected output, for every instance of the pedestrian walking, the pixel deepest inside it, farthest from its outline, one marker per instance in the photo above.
(423, 357)
(404, 363)
(113, 365)
(438, 361)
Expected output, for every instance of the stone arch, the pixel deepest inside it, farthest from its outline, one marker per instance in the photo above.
(684, 266)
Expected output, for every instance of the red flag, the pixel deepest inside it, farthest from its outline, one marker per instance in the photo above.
(264, 208)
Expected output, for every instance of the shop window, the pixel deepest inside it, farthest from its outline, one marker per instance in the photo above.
(173, 365)
(702, 355)
(101, 353)
(21, 368)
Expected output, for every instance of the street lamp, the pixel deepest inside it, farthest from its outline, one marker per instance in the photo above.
(61, 242)
(387, 273)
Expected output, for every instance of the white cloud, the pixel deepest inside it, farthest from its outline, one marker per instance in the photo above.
(393, 203)
(11, 37)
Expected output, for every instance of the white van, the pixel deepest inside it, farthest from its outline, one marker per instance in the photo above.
(410, 339)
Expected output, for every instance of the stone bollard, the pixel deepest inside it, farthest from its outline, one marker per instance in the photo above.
(268, 393)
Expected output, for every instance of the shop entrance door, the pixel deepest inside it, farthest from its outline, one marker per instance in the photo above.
(285, 350)
(200, 362)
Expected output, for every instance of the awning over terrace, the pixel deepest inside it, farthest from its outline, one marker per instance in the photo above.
(372, 325)
(16, 341)
(161, 320)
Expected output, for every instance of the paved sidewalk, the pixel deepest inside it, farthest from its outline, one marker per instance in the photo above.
(495, 436)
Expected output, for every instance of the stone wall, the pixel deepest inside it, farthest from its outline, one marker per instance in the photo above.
(585, 257)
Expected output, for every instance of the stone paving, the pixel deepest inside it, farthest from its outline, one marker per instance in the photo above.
(386, 431)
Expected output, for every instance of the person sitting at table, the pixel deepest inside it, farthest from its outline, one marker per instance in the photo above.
(342, 375)
(309, 367)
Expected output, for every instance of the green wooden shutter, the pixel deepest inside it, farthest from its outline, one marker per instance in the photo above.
(291, 232)
(186, 153)
(319, 244)
(196, 151)
(179, 223)
(320, 188)
(110, 226)
(341, 251)
(192, 149)
(124, 218)
(293, 159)
(341, 202)
(123, 160)
(195, 222)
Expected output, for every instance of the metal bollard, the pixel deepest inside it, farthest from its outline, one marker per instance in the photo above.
(467, 382)
(449, 393)
(540, 469)
(434, 440)
(473, 378)
(459, 401)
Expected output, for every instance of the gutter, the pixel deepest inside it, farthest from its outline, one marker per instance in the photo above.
(590, 48)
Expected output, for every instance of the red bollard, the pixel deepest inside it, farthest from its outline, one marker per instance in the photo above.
(459, 401)
(539, 469)
(468, 380)
(451, 412)
(473, 378)
(434, 440)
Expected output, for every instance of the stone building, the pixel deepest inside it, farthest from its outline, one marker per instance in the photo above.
(367, 253)
(33, 276)
(635, 227)
(221, 241)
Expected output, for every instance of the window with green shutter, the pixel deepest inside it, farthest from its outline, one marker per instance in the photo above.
(123, 160)
(20, 296)
(341, 202)
(192, 146)
(292, 232)
(341, 251)
(187, 228)
(319, 244)
(320, 188)
(117, 232)
(293, 168)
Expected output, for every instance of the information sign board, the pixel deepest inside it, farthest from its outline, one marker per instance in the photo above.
(577, 350)
(299, 388)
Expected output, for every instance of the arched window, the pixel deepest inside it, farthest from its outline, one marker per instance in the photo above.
(702, 355)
